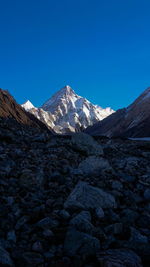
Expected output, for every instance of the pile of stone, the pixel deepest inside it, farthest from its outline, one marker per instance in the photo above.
(73, 201)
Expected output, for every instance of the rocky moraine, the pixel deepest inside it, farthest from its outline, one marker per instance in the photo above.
(73, 200)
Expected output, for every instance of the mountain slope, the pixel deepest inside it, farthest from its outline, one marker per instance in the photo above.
(67, 112)
(10, 110)
(132, 121)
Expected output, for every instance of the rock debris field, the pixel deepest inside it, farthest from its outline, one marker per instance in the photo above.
(73, 200)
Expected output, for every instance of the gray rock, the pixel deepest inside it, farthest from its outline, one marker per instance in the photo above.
(89, 197)
(129, 164)
(48, 234)
(5, 259)
(11, 236)
(119, 258)
(86, 143)
(82, 222)
(47, 223)
(99, 213)
(64, 214)
(92, 165)
(80, 243)
(24, 219)
(137, 237)
(37, 246)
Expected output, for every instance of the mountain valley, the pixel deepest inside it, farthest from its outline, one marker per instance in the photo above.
(70, 200)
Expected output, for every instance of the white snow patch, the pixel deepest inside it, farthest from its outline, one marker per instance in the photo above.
(27, 105)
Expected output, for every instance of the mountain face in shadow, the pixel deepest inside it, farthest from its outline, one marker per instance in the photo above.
(11, 111)
(132, 121)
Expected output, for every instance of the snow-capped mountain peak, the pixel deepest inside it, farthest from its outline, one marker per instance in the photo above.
(70, 112)
(74, 110)
(66, 94)
(66, 89)
(27, 105)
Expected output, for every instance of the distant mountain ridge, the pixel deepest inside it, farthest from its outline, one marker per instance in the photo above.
(67, 112)
(133, 121)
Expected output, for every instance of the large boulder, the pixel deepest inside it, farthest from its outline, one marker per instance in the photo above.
(86, 144)
(119, 258)
(94, 165)
(88, 197)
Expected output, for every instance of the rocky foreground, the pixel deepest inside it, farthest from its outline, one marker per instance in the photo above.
(73, 201)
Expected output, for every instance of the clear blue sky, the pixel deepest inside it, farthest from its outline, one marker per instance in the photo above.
(100, 48)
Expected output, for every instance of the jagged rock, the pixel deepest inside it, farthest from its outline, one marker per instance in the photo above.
(21, 222)
(48, 234)
(64, 214)
(37, 246)
(11, 236)
(137, 237)
(129, 165)
(82, 222)
(119, 258)
(85, 143)
(99, 213)
(89, 197)
(78, 243)
(47, 223)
